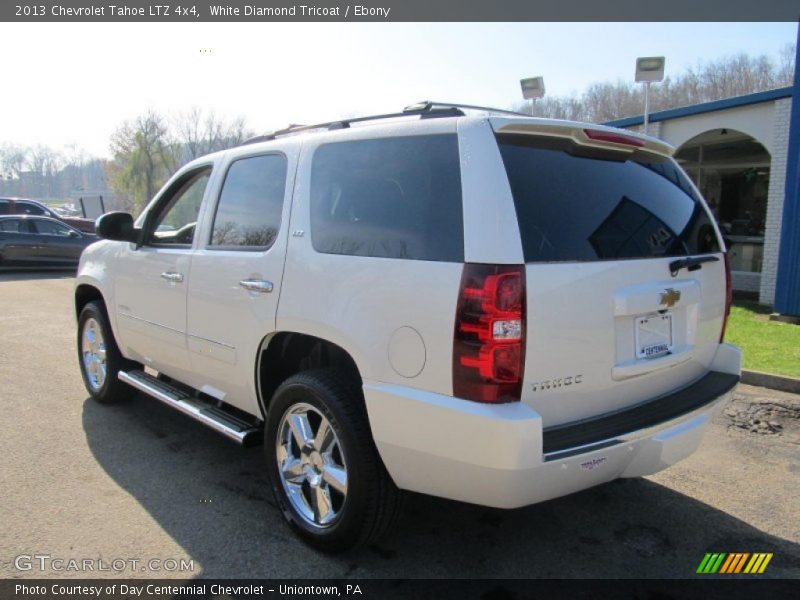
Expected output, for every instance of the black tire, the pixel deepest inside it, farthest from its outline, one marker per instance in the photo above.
(372, 501)
(111, 389)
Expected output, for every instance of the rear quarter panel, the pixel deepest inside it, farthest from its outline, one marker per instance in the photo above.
(394, 317)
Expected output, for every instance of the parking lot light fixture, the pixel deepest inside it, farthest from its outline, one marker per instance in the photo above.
(648, 70)
(532, 88)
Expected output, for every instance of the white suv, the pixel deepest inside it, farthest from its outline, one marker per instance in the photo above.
(486, 307)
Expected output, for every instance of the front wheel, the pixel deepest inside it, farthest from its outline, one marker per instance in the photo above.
(99, 357)
(326, 475)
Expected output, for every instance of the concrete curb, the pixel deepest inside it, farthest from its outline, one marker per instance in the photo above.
(791, 319)
(768, 380)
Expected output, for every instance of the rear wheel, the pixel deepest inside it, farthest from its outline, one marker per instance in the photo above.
(326, 475)
(99, 357)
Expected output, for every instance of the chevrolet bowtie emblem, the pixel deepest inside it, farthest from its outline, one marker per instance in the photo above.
(669, 297)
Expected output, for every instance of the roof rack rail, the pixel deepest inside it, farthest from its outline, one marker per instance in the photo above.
(425, 110)
(433, 105)
(345, 123)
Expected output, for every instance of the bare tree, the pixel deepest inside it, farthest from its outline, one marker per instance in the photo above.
(714, 80)
(786, 66)
(200, 132)
(13, 159)
(150, 148)
(43, 163)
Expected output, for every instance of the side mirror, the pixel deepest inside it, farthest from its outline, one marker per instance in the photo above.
(73, 234)
(117, 226)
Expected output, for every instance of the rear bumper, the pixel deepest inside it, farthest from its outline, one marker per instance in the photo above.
(499, 455)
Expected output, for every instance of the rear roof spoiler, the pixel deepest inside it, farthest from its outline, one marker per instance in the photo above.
(584, 134)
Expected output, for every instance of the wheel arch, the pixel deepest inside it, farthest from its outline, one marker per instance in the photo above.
(85, 293)
(286, 353)
(88, 290)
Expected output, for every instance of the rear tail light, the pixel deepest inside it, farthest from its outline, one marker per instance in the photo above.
(728, 297)
(489, 340)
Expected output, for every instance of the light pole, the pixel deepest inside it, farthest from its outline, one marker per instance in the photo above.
(532, 88)
(648, 70)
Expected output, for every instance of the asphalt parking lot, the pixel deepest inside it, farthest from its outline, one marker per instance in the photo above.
(139, 481)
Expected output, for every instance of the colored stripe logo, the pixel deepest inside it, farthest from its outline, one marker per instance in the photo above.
(734, 563)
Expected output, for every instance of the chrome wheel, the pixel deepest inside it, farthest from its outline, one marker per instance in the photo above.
(93, 352)
(311, 465)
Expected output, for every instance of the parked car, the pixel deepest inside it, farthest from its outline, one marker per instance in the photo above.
(25, 206)
(35, 241)
(489, 308)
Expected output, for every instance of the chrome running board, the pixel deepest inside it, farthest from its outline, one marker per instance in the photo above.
(232, 427)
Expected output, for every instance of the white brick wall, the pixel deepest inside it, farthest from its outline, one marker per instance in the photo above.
(777, 192)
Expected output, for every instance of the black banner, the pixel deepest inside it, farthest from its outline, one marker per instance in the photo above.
(369, 589)
(398, 10)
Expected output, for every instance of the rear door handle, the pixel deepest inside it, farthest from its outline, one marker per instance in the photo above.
(257, 285)
(172, 277)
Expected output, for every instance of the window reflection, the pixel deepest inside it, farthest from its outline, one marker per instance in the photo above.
(251, 203)
(574, 206)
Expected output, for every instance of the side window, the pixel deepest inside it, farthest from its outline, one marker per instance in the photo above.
(50, 227)
(5, 209)
(30, 209)
(390, 198)
(14, 225)
(250, 205)
(176, 218)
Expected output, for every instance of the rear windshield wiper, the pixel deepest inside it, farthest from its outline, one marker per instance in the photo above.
(691, 263)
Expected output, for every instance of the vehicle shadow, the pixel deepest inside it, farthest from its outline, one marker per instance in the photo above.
(212, 497)
(31, 274)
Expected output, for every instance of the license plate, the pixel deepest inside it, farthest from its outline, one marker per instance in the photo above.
(653, 335)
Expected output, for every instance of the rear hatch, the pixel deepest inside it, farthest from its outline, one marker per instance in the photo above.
(613, 320)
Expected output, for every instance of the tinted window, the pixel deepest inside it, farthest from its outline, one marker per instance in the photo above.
(13, 225)
(26, 208)
(50, 227)
(391, 198)
(574, 207)
(250, 205)
(177, 218)
(4, 207)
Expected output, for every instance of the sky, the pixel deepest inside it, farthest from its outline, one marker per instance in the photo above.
(74, 84)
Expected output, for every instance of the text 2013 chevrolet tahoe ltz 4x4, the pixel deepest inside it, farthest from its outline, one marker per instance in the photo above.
(484, 307)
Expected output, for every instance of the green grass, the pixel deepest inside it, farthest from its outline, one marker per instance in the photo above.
(768, 346)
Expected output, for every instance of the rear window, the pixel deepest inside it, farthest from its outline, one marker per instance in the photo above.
(573, 207)
(389, 198)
